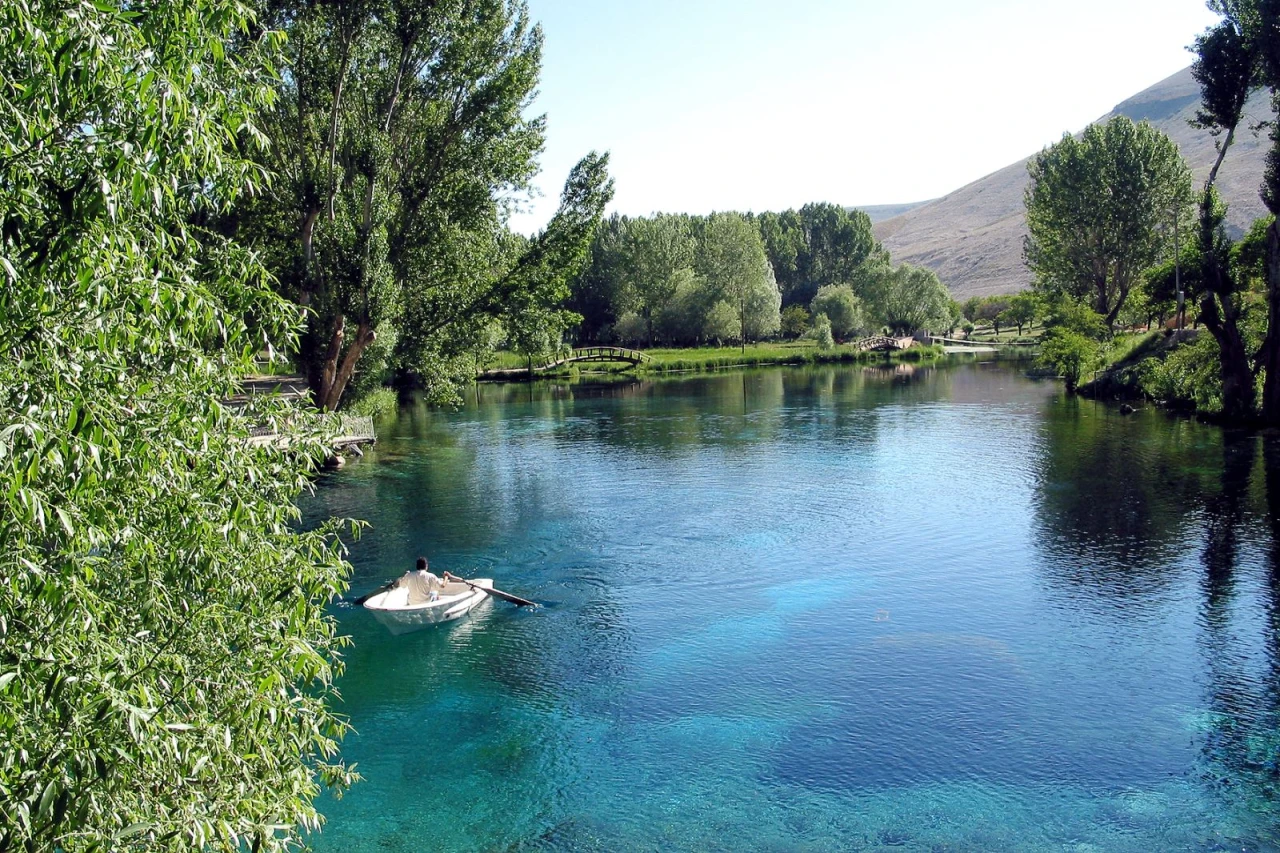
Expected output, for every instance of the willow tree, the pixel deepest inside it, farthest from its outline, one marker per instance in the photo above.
(1099, 208)
(165, 659)
(909, 298)
(401, 132)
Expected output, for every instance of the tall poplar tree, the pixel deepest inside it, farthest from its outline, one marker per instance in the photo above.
(401, 133)
(1098, 209)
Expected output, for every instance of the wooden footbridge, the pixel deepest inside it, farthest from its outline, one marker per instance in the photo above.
(606, 354)
(883, 343)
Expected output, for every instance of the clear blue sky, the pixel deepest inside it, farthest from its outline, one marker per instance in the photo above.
(752, 105)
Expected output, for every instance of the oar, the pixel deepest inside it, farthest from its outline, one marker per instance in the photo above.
(368, 595)
(496, 593)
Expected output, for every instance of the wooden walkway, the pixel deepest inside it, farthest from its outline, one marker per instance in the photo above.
(582, 354)
(965, 342)
(883, 343)
(353, 431)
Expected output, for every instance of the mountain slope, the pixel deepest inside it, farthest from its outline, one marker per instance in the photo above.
(881, 212)
(972, 237)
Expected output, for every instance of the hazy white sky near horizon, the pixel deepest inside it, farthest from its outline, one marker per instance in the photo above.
(754, 105)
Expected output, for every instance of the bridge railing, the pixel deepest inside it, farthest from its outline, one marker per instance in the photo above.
(351, 429)
(357, 428)
(595, 353)
(875, 342)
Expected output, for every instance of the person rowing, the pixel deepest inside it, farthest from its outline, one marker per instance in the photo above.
(422, 583)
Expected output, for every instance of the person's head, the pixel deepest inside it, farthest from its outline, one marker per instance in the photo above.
(422, 564)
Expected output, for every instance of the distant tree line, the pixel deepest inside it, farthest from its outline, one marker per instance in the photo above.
(685, 280)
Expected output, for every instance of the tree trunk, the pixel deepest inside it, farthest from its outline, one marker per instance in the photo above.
(1269, 356)
(1237, 378)
(321, 389)
(308, 252)
(344, 62)
(364, 336)
(1100, 303)
(1116, 309)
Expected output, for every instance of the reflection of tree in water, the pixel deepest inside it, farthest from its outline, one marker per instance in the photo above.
(1242, 746)
(671, 417)
(1118, 505)
(1116, 496)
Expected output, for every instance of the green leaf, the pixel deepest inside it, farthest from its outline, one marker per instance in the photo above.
(65, 520)
(133, 830)
(46, 799)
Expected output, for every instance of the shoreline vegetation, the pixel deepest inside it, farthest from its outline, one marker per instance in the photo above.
(508, 366)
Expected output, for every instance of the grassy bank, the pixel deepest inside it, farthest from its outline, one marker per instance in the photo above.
(1173, 369)
(718, 358)
(800, 352)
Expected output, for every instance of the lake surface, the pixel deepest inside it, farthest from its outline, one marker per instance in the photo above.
(817, 609)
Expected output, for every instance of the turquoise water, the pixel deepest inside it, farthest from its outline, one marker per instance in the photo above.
(820, 609)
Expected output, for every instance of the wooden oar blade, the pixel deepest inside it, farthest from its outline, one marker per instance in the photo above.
(506, 596)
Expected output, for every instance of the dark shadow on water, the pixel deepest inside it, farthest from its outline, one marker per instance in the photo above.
(1240, 759)
(1117, 495)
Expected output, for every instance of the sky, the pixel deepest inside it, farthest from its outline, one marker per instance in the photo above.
(769, 104)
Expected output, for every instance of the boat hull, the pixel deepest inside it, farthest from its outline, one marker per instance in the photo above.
(397, 616)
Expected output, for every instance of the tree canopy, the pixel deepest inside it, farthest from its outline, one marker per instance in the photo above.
(401, 130)
(909, 298)
(732, 262)
(842, 309)
(819, 245)
(661, 279)
(165, 659)
(1099, 208)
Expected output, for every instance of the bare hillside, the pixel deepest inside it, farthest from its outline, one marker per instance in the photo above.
(881, 212)
(973, 237)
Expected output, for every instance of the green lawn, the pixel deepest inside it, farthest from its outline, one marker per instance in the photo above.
(987, 334)
(668, 360)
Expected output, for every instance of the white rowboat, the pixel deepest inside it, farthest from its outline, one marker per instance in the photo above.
(405, 608)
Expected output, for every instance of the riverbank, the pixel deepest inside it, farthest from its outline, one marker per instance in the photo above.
(511, 367)
(1157, 366)
(800, 352)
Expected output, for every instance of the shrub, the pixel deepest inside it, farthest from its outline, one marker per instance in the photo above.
(842, 309)
(795, 321)
(1189, 376)
(375, 404)
(821, 332)
(1070, 353)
